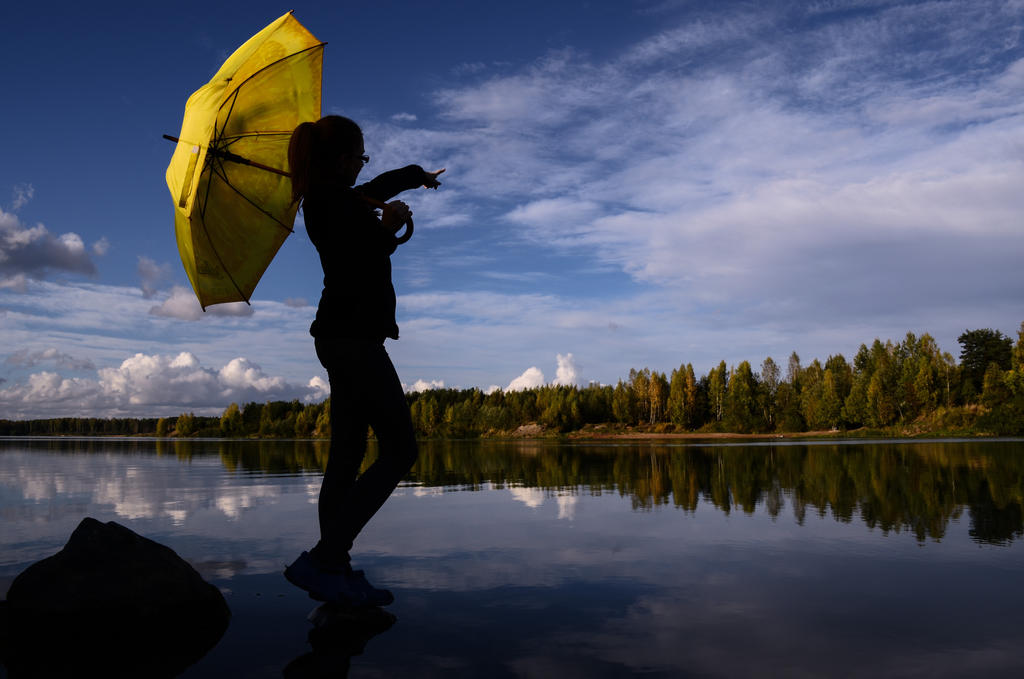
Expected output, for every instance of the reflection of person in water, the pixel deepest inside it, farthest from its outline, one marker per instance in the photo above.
(336, 637)
(355, 316)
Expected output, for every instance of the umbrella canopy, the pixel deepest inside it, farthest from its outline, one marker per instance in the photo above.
(228, 178)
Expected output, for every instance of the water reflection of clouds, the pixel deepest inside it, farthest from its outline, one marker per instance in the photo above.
(531, 497)
(133, 492)
(196, 507)
(535, 497)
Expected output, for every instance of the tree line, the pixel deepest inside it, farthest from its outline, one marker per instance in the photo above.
(910, 385)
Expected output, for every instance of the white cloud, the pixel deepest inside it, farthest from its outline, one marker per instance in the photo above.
(101, 247)
(152, 275)
(33, 252)
(183, 305)
(404, 117)
(150, 385)
(532, 377)
(568, 373)
(319, 389)
(296, 302)
(423, 385)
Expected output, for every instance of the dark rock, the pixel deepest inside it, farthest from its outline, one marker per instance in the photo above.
(113, 601)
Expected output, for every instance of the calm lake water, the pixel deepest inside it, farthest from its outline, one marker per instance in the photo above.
(524, 559)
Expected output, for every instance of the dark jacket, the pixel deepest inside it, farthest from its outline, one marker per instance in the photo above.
(358, 300)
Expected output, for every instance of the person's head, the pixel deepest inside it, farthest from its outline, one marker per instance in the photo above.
(323, 153)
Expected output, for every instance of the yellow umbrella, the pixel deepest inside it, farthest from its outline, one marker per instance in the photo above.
(232, 197)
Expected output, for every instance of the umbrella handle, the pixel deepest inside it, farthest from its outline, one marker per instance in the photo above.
(408, 233)
(408, 223)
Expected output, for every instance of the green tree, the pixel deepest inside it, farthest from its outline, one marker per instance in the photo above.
(788, 403)
(231, 421)
(794, 371)
(831, 400)
(640, 384)
(622, 404)
(881, 407)
(812, 395)
(741, 407)
(305, 422)
(993, 391)
(266, 420)
(979, 348)
(694, 406)
(252, 414)
(323, 421)
(768, 389)
(657, 397)
(161, 427)
(1017, 357)
(718, 382)
(186, 424)
(677, 397)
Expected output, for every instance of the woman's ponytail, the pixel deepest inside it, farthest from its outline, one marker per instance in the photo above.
(300, 150)
(314, 150)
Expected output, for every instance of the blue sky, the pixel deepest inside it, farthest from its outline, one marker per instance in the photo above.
(629, 184)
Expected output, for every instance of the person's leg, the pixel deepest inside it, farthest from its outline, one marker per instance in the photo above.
(345, 363)
(388, 414)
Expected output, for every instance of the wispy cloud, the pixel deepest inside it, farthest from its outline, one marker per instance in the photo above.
(31, 357)
(850, 169)
(21, 195)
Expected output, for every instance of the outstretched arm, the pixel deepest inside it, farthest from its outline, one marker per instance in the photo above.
(388, 185)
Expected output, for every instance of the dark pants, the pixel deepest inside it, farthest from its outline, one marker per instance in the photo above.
(365, 391)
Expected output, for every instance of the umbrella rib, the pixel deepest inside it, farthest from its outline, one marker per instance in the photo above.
(219, 171)
(233, 97)
(273, 63)
(220, 260)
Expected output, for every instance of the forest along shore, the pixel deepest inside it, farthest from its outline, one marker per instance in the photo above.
(892, 389)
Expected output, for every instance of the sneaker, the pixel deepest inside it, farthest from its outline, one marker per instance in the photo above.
(375, 596)
(324, 586)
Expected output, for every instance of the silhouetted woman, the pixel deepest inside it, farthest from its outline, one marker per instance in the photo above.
(356, 314)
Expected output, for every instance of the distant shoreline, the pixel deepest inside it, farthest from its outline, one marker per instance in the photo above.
(536, 432)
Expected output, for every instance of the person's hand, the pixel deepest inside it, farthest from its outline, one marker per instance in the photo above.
(430, 179)
(394, 215)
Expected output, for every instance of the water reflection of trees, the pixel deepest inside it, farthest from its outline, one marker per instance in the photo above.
(916, 487)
